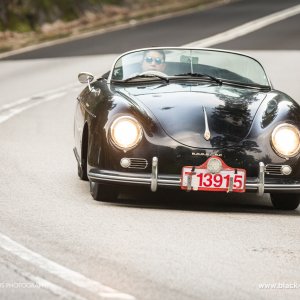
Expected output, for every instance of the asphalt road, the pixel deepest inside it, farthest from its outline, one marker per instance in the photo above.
(147, 246)
(187, 28)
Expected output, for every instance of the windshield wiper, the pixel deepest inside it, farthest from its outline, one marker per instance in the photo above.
(199, 75)
(147, 76)
(247, 85)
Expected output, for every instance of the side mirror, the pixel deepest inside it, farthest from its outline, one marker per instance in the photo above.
(85, 77)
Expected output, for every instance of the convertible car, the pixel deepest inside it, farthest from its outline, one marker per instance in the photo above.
(189, 119)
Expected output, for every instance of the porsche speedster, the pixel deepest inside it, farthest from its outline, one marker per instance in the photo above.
(188, 119)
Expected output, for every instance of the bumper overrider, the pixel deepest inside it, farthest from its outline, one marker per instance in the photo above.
(259, 184)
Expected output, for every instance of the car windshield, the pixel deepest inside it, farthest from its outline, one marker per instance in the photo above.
(180, 62)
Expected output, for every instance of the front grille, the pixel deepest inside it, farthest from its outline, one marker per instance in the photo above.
(273, 169)
(138, 163)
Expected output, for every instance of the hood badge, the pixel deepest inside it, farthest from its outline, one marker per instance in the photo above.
(206, 154)
(207, 134)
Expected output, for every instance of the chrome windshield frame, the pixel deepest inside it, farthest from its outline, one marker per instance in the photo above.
(110, 80)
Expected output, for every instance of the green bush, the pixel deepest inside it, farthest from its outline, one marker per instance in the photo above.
(29, 15)
(24, 15)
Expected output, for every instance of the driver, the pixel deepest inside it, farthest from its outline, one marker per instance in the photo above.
(154, 60)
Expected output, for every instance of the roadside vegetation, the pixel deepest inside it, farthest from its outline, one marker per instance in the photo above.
(26, 22)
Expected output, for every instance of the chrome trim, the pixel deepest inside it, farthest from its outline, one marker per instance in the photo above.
(288, 168)
(174, 181)
(138, 163)
(272, 169)
(138, 126)
(134, 163)
(77, 156)
(261, 179)
(296, 152)
(207, 134)
(88, 76)
(189, 180)
(154, 174)
(121, 179)
(189, 183)
(155, 180)
(85, 108)
(274, 186)
(186, 48)
(230, 186)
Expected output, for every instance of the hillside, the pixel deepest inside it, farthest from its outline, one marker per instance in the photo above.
(26, 22)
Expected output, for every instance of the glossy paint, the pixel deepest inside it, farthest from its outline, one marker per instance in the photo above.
(240, 119)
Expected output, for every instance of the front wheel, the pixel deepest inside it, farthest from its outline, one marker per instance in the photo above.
(285, 201)
(82, 172)
(103, 192)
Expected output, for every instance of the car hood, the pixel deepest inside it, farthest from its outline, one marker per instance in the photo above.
(185, 112)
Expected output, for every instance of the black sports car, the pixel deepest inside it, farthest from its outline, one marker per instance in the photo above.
(188, 119)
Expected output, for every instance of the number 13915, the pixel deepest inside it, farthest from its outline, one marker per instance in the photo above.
(218, 180)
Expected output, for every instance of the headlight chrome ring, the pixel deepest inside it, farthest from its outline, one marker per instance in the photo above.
(285, 140)
(126, 133)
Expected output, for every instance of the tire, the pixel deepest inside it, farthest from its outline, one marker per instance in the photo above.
(285, 201)
(82, 167)
(103, 192)
(82, 172)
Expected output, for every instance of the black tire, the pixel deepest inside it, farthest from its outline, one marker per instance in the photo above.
(285, 201)
(82, 167)
(82, 172)
(103, 192)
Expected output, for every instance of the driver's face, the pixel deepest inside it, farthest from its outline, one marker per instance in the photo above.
(153, 61)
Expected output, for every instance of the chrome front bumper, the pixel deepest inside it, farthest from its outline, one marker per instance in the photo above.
(155, 180)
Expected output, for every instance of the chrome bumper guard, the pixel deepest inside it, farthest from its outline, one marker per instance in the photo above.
(154, 175)
(261, 179)
(154, 180)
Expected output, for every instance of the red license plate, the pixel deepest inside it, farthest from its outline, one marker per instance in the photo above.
(200, 179)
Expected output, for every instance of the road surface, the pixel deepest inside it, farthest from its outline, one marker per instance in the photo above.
(58, 243)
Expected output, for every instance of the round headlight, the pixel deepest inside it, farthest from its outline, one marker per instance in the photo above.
(126, 133)
(286, 140)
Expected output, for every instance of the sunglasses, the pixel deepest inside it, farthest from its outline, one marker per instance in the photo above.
(150, 59)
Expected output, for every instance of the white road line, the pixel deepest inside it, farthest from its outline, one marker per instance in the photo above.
(44, 284)
(62, 272)
(55, 289)
(246, 28)
(9, 110)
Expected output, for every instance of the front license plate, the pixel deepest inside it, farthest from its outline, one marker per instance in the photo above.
(200, 179)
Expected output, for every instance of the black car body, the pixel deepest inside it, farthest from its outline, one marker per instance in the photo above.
(211, 110)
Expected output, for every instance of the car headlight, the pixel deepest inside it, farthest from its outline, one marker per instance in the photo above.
(286, 140)
(126, 132)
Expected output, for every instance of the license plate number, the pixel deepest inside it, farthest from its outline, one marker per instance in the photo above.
(200, 179)
(203, 180)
